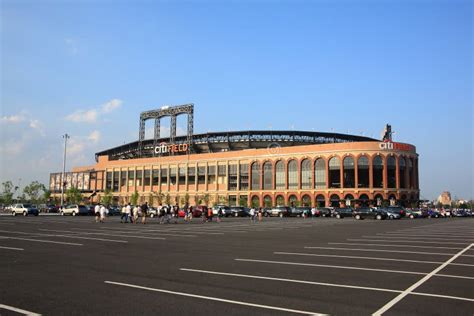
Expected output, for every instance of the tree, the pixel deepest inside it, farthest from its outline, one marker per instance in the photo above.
(159, 197)
(34, 191)
(186, 199)
(107, 197)
(46, 196)
(150, 199)
(206, 199)
(167, 199)
(73, 195)
(134, 198)
(7, 192)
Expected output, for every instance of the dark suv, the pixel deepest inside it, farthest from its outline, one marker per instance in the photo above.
(396, 209)
(342, 212)
(281, 211)
(322, 212)
(368, 212)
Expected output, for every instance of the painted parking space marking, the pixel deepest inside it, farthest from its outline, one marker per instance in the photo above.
(397, 246)
(367, 258)
(382, 250)
(402, 295)
(63, 236)
(94, 232)
(42, 241)
(11, 248)
(406, 241)
(18, 310)
(419, 238)
(216, 299)
(323, 284)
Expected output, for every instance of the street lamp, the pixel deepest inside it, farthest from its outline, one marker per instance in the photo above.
(65, 136)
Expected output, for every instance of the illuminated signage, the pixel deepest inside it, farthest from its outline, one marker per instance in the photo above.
(394, 146)
(164, 148)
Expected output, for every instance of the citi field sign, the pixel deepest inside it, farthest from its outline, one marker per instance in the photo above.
(165, 148)
(394, 146)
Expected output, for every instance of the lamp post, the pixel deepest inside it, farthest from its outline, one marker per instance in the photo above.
(65, 136)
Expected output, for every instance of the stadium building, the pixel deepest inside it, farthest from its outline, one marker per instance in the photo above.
(259, 168)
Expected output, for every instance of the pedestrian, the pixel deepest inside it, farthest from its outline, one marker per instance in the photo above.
(219, 215)
(128, 213)
(144, 212)
(252, 215)
(190, 213)
(97, 213)
(168, 214)
(209, 214)
(162, 214)
(123, 214)
(135, 214)
(260, 214)
(176, 213)
(102, 213)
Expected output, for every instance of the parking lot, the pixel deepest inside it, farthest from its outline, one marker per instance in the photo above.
(55, 265)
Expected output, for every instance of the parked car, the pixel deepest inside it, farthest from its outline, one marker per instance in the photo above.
(396, 209)
(266, 211)
(113, 211)
(433, 213)
(199, 210)
(462, 213)
(322, 212)
(342, 212)
(153, 212)
(74, 210)
(281, 211)
(372, 213)
(226, 211)
(24, 209)
(47, 208)
(299, 211)
(412, 214)
(239, 211)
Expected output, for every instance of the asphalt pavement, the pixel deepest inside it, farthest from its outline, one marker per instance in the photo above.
(54, 265)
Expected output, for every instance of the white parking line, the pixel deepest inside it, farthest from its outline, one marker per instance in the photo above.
(121, 232)
(64, 236)
(416, 238)
(293, 281)
(42, 241)
(443, 235)
(368, 258)
(394, 301)
(323, 284)
(329, 266)
(383, 250)
(11, 248)
(408, 241)
(18, 310)
(216, 299)
(399, 246)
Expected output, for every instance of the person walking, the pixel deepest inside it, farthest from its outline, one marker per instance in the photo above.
(102, 213)
(135, 214)
(260, 215)
(209, 214)
(123, 216)
(128, 212)
(144, 212)
(252, 215)
(97, 213)
(219, 215)
(162, 214)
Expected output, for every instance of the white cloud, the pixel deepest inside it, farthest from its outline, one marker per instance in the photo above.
(17, 118)
(93, 115)
(94, 136)
(89, 116)
(111, 105)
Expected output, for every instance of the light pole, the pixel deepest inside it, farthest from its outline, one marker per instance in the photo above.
(63, 182)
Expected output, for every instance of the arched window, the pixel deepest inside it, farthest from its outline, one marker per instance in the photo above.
(363, 172)
(320, 201)
(410, 173)
(306, 201)
(334, 199)
(306, 174)
(267, 201)
(293, 175)
(280, 200)
(364, 200)
(267, 176)
(334, 173)
(255, 176)
(401, 172)
(280, 180)
(349, 198)
(391, 172)
(255, 201)
(378, 198)
(377, 170)
(320, 174)
(349, 173)
(293, 200)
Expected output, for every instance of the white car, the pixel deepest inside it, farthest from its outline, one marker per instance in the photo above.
(24, 209)
(74, 210)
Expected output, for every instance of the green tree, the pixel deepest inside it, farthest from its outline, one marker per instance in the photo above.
(134, 198)
(167, 199)
(206, 198)
(8, 190)
(46, 196)
(186, 199)
(73, 195)
(34, 191)
(106, 199)
(159, 197)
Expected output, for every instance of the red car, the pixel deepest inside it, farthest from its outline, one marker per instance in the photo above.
(197, 211)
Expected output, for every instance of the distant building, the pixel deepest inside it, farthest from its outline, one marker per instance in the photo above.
(445, 198)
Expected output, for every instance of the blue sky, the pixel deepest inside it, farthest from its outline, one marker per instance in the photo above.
(89, 67)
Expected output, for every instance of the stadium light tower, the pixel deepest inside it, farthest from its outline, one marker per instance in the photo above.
(63, 182)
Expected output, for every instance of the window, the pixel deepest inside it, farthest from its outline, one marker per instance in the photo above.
(232, 185)
(391, 172)
(267, 201)
(202, 175)
(191, 175)
(123, 178)
(293, 175)
(293, 201)
(280, 200)
(280, 179)
(377, 169)
(320, 174)
(363, 172)
(402, 169)
(211, 174)
(244, 177)
(116, 180)
(306, 174)
(147, 179)
(155, 177)
(334, 173)
(108, 182)
(182, 176)
(255, 176)
(410, 173)
(164, 176)
(172, 176)
(131, 178)
(139, 178)
(306, 201)
(349, 173)
(267, 176)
